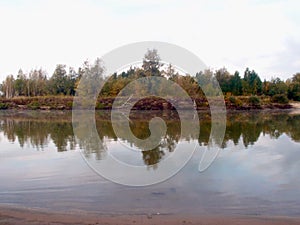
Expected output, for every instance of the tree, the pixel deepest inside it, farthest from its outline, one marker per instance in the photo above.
(92, 79)
(170, 72)
(277, 86)
(189, 84)
(37, 82)
(20, 84)
(151, 63)
(207, 82)
(296, 78)
(7, 87)
(251, 83)
(223, 77)
(58, 81)
(71, 81)
(294, 88)
(266, 85)
(236, 84)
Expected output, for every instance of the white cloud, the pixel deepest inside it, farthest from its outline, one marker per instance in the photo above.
(234, 34)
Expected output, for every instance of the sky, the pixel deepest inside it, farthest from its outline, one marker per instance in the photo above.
(263, 35)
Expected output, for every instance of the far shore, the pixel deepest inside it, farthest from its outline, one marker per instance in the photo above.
(153, 103)
(18, 216)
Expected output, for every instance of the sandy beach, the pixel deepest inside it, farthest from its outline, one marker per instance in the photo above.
(19, 216)
(295, 105)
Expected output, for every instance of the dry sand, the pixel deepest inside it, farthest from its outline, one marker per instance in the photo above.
(295, 108)
(295, 105)
(25, 216)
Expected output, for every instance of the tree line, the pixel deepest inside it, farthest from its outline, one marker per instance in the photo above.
(64, 81)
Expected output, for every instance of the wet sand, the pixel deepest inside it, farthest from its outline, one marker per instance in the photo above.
(19, 216)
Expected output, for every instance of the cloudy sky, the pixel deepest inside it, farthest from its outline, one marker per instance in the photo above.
(263, 35)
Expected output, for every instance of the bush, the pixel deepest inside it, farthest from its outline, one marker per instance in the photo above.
(69, 105)
(232, 99)
(100, 105)
(3, 105)
(254, 100)
(280, 98)
(296, 97)
(34, 105)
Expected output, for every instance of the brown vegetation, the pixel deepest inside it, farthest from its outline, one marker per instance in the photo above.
(153, 103)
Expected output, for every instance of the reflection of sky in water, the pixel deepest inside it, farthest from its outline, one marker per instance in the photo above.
(267, 172)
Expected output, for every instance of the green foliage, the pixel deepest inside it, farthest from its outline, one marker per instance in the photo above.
(69, 105)
(296, 97)
(100, 105)
(20, 84)
(277, 87)
(296, 78)
(223, 77)
(66, 82)
(58, 82)
(3, 105)
(254, 100)
(151, 63)
(235, 101)
(294, 88)
(208, 83)
(280, 98)
(236, 84)
(34, 105)
(92, 80)
(232, 99)
(251, 83)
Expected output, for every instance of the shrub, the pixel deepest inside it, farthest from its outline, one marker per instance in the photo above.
(232, 99)
(100, 105)
(296, 97)
(34, 105)
(3, 105)
(235, 101)
(69, 105)
(254, 100)
(280, 98)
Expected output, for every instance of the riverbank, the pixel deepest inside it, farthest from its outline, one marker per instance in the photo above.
(15, 216)
(154, 103)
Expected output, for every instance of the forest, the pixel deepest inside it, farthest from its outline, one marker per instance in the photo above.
(64, 81)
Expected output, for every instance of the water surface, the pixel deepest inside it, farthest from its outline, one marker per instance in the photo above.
(256, 172)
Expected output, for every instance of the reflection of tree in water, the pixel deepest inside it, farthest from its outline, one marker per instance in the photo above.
(167, 144)
(294, 127)
(93, 144)
(62, 134)
(249, 126)
(245, 126)
(241, 127)
(39, 133)
(168, 141)
(152, 157)
(251, 131)
(139, 125)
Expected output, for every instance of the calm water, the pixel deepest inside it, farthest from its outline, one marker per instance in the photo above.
(256, 172)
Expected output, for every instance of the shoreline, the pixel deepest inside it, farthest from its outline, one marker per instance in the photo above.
(18, 216)
(58, 103)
